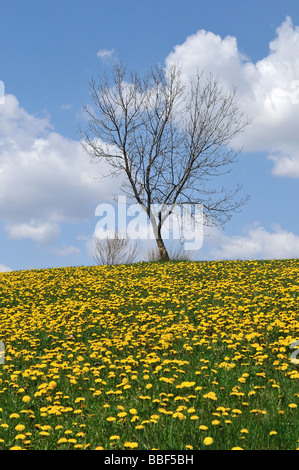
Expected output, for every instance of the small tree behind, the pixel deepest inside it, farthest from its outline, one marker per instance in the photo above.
(115, 250)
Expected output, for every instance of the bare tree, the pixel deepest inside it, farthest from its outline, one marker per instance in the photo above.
(168, 139)
(115, 250)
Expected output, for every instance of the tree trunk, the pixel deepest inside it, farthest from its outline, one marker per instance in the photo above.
(164, 256)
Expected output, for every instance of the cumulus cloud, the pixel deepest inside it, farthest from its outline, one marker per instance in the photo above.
(257, 243)
(268, 90)
(45, 178)
(39, 232)
(4, 269)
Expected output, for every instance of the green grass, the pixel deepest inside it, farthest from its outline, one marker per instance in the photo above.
(161, 355)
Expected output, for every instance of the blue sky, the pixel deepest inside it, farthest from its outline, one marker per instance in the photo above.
(50, 50)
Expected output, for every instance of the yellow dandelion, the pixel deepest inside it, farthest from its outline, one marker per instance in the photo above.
(134, 418)
(179, 415)
(79, 399)
(20, 427)
(131, 445)
(185, 385)
(52, 385)
(211, 396)
(62, 440)
(208, 441)
(202, 427)
(26, 399)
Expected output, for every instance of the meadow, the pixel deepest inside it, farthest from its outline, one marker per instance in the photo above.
(174, 355)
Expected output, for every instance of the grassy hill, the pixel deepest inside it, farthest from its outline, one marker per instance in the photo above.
(175, 355)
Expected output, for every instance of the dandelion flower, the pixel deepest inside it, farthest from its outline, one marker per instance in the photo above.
(20, 427)
(185, 385)
(131, 445)
(211, 396)
(208, 441)
(202, 427)
(62, 440)
(52, 385)
(179, 415)
(26, 399)
(244, 431)
(79, 399)
(155, 416)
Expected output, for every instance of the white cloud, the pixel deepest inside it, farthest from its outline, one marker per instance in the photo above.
(39, 232)
(105, 53)
(4, 269)
(268, 90)
(45, 178)
(286, 163)
(258, 243)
